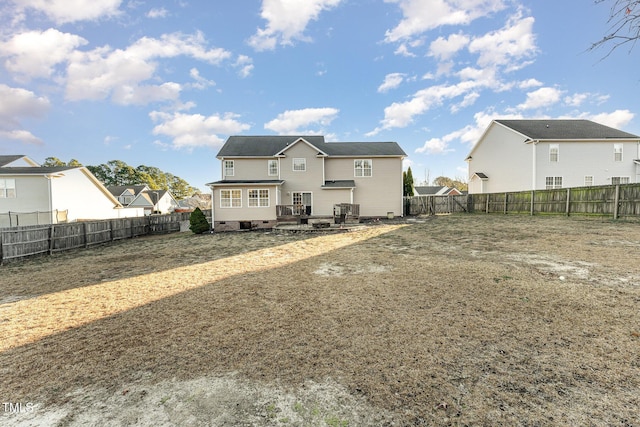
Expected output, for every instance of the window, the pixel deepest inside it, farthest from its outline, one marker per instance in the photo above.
(229, 168)
(258, 198)
(554, 153)
(273, 168)
(230, 198)
(615, 180)
(299, 165)
(617, 152)
(363, 168)
(552, 182)
(588, 180)
(7, 188)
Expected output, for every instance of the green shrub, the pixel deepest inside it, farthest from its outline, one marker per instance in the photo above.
(198, 222)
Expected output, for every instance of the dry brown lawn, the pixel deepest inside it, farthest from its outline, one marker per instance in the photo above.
(460, 320)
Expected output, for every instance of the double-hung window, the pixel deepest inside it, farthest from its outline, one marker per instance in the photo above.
(554, 153)
(588, 180)
(273, 167)
(299, 164)
(363, 168)
(230, 198)
(553, 182)
(617, 152)
(7, 188)
(229, 168)
(615, 180)
(259, 198)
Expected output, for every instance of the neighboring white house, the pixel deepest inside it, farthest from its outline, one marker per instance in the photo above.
(141, 196)
(521, 155)
(26, 187)
(261, 172)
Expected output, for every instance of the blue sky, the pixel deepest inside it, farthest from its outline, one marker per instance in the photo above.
(164, 83)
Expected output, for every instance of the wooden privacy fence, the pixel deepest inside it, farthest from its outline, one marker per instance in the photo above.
(616, 201)
(18, 242)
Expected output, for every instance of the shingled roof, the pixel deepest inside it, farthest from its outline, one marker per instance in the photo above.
(266, 146)
(565, 129)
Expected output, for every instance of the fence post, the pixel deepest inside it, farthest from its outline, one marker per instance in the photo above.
(533, 201)
(616, 202)
(486, 208)
(567, 209)
(506, 197)
(1, 251)
(51, 238)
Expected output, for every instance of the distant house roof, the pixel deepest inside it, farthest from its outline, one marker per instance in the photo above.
(118, 190)
(428, 190)
(565, 130)
(5, 160)
(268, 146)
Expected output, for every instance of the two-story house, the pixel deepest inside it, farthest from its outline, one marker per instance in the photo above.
(26, 189)
(142, 197)
(521, 155)
(260, 173)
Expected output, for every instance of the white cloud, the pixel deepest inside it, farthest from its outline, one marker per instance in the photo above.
(528, 84)
(245, 66)
(434, 146)
(156, 13)
(509, 46)
(401, 114)
(576, 100)
(617, 119)
(424, 15)
(543, 97)
(65, 11)
(104, 72)
(291, 121)
(201, 82)
(287, 21)
(391, 81)
(16, 105)
(35, 54)
(445, 49)
(196, 130)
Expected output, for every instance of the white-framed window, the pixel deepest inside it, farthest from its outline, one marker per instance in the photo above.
(259, 198)
(230, 198)
(299, 164)
(7, 188)
(553, 182)
(273, 167)
(554, 153)
(362, 167)
(617, 152)
(229, 168)
(588, 180)
(615, 180)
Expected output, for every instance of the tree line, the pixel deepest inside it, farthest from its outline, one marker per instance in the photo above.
(117, 172)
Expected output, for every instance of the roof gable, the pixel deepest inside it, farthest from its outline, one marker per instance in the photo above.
(304, 141)
(20, 159)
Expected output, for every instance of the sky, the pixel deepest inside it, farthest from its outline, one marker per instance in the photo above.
(164, 83)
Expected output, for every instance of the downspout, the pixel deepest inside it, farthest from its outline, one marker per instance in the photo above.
(534, 171)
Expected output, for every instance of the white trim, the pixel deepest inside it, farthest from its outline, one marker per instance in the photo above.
(249, 190)
(281, 152)
(269, 167)
(293, 164)
(225, 169)
(231, 198)
(363, 169)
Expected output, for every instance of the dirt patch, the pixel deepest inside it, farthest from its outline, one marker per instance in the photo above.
(460, 320)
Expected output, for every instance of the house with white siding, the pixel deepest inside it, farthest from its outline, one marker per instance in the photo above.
(266, 177)
(28, 188)
(522, 155)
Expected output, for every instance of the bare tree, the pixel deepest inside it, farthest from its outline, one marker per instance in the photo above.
(624, 25)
